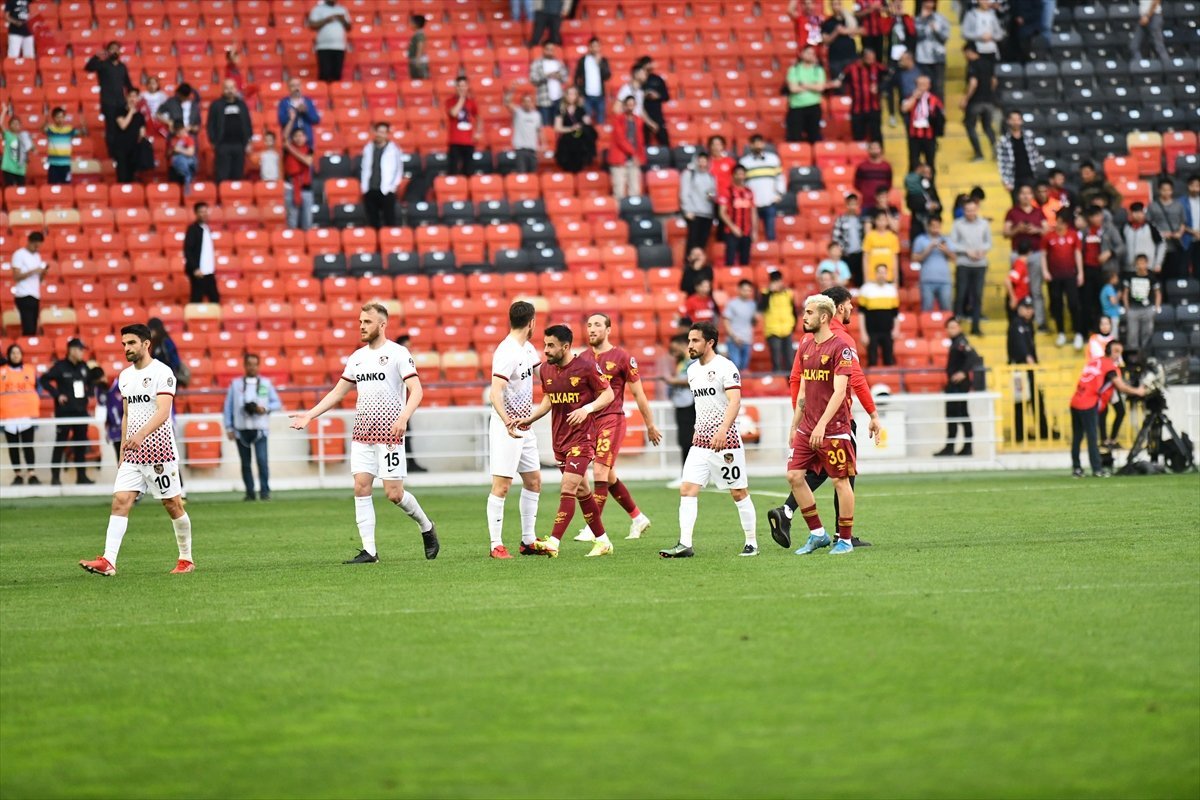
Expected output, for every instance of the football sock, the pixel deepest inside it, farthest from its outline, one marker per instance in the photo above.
(364, 517)
(601, 494)
(529, 512)
(749, 519)
(845, 524)
(620, 493)
(112, 538)
(183, 536)
(495, 519)
(409, 505)
(791, 504)
(813, 519)
(566, 510)
(688, 508)
(591, 513)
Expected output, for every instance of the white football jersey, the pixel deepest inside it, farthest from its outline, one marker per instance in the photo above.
(708, 383)
(140, 389)
(516, 363)
(379, 375)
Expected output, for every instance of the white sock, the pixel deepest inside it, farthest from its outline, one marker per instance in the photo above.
(641, 517)
(495, 520)
(689, 507)
(603, 539)
(749, 518)
(817, 532)
(183, 536)
(364, 516)
(112, 538)
(551, 543)
(529, 512)
(409, 505)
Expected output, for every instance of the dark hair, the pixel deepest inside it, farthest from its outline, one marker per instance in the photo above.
(1135, 207)
(880, 213)
(739, 167)
(1057, 171)
(970, 47)
(851, 196)
(249, 356)
(679, 338)
(1023, 247)
(196, 208)
(977, 194)
(607, 319)
(707, 330)
(520, 314)
(184, 89)
(1164, 181)
(594, 40)
(111, 43)
(713, 138)
(1195, 176)
(560, 332)
(1109, 345)
(744, 282)
(37, 237)
(756, 137)
(949, 319)
(418, 21)
(838, 294)
(8, 352)
(1063, 215)
(1088, 165)
(142, 332)
(1141, 257)
(57, 109)
(1092, 210)
(383, 123)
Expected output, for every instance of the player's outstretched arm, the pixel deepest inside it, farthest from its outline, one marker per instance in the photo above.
(162, 412)
(300, 421)
(643, 404)
(840, 382)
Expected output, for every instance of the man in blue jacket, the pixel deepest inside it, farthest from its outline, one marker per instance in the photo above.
(248, 407)
(301, 107)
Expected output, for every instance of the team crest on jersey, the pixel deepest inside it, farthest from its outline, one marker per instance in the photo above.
(847, 354)
(737, 378)
(824, 359)
(729, 458)
(146, 382)
(170, 381)
(383, 360)
(610, 365)
(712, 376)
(391, 447)
(575, 381)
(158, 469)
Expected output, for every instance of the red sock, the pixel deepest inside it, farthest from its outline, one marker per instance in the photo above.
(810, 516)
(621, 494)
(591, 514)
(844, 526)
(566, 510)
(601, 494)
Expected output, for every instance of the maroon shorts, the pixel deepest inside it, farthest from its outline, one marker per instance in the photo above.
(610, 432)
(576, 459)
(834, 457)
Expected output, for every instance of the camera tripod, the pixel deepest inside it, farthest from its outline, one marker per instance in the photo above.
(1150, 439)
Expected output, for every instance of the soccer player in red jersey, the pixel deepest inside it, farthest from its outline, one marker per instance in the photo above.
(822, 425)
(574, 390)
(621, 370)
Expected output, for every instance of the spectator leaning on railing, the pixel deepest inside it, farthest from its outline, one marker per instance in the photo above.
(249, 403)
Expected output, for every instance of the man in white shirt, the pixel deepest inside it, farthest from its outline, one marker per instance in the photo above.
(547, 74)
(380, 174)
(332, 24)
(527, 132)
(199, 259)
(592, 74)
(28, 269)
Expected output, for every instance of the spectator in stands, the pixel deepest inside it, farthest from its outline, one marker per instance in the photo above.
(778, 307)
(633, 88)
(736, 210)
(299, 108)
(880, 304)
(153, 96)
(230, 133)
(18, 144)
(548, 74)
(1018, 156)
(805, 83)
(71, 382)
(837, 34)
(19, 406)
(739, 317)
(981, 27)
(298, 177)
(695, 269)
(697, 201)
(872, 26)
(1141, 239)
(700, 305)
(270, 166)
(547, 21)
(162, 346)
(527, 131)
(1025, 25)
(28, 268)
(902, 30)
(961, 362)
(808, 23)
(249, 403)
(1022, 349)
(183, 106)
(848, 231)
(721, 163)
(1062, 257)
(575, 148)
(1150, 22)
(834, 264)
(1112, 308)
(332, 23)
(933, 31)
(1191, 225)
(113, 79)
(1093, 184)
(881, 246)
(825, 280)
(1142, 297)
(902, 82)
(1058, 190)
(863, 80)
(131, 130)
(979, 100)
(20, 34)
(654, 94)
(591, 78)
(464, 127)
(926, 123)
(922, 198)
(971, 240)
(200, 259)
(380, 175)
(60, 146)
(1024, 226)
(931, 250)
(874, 173)
(1102, 246)
(1018, 283)
(183, 156)
(1167, 216)
(764, 176)
(627, 153)
(418, 55)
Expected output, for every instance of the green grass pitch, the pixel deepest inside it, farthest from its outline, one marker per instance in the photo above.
(1008, 636)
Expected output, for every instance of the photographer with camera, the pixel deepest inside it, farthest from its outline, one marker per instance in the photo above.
(1092, 394)
(248, 407)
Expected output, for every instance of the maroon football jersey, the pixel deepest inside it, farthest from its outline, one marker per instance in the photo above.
(620, 369)
(571, 387)
(819, 363)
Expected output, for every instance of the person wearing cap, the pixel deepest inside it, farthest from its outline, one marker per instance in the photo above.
(71, 381)
(1022, 349)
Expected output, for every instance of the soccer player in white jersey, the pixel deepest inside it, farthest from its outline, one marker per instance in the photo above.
(717, 452)
(389, 391)
(511, 396)
(149, 458)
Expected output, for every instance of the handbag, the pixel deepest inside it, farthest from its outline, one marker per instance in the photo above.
(145, 155)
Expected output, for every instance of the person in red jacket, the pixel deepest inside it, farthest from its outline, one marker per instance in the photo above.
(780, 519)
(1096, 384)
(627, 151)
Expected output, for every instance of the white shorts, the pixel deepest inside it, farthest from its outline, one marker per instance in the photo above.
(20, 46)
(386, 461)
(726, 469)
(160, 480)
(509, 457)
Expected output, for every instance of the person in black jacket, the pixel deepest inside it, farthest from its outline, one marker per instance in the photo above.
(113, 77)
(199, 258)
(71, 382)
(127, 138)
(1022, 349)
(182, 107)
(593, 66)
(960, 366)
(547, 19)
(655, 94)
(230, 132)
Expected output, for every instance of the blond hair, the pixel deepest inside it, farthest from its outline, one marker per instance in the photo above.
(824, 304)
